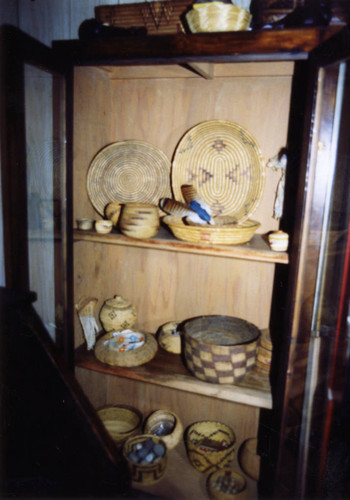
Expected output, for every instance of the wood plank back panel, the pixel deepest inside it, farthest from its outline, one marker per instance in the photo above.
(167, 286)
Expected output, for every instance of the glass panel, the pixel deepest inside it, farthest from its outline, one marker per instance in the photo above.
(329, 356)
(45, 154)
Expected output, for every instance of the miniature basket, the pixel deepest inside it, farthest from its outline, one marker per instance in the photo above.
(220, 349)
(105, 351)
(210, 445)
(217, 16)
(145, 473)
(165, 424)
(228, 234)
(225, 484)
(121, 422)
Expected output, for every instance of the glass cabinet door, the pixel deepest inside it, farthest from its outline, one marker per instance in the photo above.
(34, 179)
(316, 394)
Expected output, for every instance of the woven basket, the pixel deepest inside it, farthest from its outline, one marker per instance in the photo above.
(144, 473)
(210, 445)
(165, 424)
(217, 16)
(225, 484)
(121, 421)
(220, 349)
(105, 352)
(128, 171)
(228, 234)
(224, 163)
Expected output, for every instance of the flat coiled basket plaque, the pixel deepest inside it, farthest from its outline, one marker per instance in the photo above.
(220, 349)
(128, 171)
(224, 163)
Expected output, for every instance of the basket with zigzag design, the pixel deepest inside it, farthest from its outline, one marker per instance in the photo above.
(210, 445)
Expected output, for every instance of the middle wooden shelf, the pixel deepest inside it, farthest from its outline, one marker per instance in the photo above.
(168, 370)
(256, 250)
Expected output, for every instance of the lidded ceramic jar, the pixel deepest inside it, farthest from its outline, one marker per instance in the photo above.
(117, 314)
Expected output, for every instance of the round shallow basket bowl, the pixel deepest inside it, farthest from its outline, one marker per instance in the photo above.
(220, 349)
(210, 445)
(139, 220)
(165, 424)
(169, 337)
(128, 171)
(227, 234)
(141, 472)
(224, 163)
(106, 351)
(248, 458)
(217, 16)
(121, 422)
(225, 484)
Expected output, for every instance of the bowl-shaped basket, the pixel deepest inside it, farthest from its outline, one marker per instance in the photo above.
(227, 234)
(225, 484)
(217, 16)
(220, 349)
(141, 472)
(165, 424)
(210, 445)
(107, 353)
(121, 422)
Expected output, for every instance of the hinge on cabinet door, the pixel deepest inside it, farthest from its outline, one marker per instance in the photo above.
(324, 332)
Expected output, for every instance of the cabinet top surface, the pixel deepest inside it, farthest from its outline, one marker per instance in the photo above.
(286, 44)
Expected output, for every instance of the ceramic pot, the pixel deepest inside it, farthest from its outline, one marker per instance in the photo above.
(117, 314)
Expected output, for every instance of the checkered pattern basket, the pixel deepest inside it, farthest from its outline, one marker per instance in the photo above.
(220, 349)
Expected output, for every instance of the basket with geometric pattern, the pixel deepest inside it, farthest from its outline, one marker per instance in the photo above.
(220, 349)
(210, 445)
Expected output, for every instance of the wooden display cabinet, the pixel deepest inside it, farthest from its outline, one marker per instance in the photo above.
(155, 90)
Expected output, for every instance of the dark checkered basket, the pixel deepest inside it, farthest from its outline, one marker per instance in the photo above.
(220, 349)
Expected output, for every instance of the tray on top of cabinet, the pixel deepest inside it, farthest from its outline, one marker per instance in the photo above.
(269, 44)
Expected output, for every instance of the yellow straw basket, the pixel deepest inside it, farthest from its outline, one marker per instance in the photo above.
(217, 16)
(210, 445)
(121, 421)
(228, 234)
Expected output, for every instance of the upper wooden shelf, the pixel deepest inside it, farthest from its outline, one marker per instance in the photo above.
(168, 370)
(286, 44)
(257, 249)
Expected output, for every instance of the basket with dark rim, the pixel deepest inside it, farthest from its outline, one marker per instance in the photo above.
(220, 349)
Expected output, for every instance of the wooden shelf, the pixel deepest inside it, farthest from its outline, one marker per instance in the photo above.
(257, 249)
(286, 44)
(168, 370)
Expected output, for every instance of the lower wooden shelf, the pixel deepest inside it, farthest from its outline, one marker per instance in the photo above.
(183, 482)
(169, 370)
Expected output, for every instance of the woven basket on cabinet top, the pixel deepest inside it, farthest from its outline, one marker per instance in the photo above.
(217, 16)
